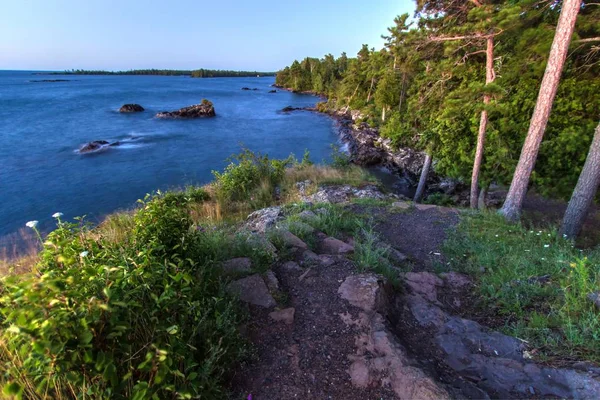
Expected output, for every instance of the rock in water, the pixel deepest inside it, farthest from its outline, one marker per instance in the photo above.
(204, 109)
(93, 146)
(272, 91)
(131, 108)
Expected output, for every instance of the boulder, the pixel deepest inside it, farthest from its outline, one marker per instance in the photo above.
(93, 146)
(237, 266)
(202, 110)
(403, 205)
(286, 315)
(271, 281)
(262, 220)
(291, 240)
(252, 290)
(365, 291)
(131, 108)
(273, 91)
(332, 245)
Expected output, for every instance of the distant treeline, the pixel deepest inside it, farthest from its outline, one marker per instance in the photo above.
(198, 73)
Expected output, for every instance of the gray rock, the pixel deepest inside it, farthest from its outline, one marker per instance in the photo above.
(291, 266)
(271, 281)
(403, 205)
(456, 280)
(307, 216)
(303, 186)
(286, 315)
(365, 291)
(291, 240)
(423, 283)
(202, 110)
(332, 245)
(253, 290)
(237, 266)
(491, 361)
(262, 220)
(131, 108)
(594, 297)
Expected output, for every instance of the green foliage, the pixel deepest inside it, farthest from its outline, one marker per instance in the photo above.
(144, 318)
(250, 177)
(537, 280)
(439, 199)
(339, 159)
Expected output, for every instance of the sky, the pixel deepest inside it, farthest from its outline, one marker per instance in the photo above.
(262, 35)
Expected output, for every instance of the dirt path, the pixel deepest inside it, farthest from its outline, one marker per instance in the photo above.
(338, 334)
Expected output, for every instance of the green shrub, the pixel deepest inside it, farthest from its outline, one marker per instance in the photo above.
(245, 175)
(339, 159)
(439, 199)
(144, 319)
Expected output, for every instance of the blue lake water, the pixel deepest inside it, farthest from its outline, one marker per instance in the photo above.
(43, 124)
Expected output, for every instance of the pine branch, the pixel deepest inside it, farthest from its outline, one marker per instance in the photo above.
(588, 40)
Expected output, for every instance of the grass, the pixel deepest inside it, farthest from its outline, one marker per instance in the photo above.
(535, 280)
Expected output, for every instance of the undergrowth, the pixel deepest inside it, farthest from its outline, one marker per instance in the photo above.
(535, 280)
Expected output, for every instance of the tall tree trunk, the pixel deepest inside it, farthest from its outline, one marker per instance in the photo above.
(584, 192)
(351, 97)
(370, 88)
(481, 200)
(489, 78)
(402, 92)
(423, 179)
(558, 53)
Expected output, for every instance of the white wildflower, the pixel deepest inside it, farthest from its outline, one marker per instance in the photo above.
(57, 215)
(32, 224)
(546, 245)
(84, 253)
(543, 259)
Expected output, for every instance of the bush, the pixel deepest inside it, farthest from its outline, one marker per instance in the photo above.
(339, 159)
(147, 318)
(439, 199)
(250, 173)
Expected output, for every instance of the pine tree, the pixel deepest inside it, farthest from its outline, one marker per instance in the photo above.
(584, 192)
(558, 53)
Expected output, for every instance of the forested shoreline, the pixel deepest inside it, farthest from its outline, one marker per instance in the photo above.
(462, 67)
(197, 73)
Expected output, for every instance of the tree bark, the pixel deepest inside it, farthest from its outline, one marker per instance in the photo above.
(489, 78)
(423, 179)
(558, 53)
(402, 92)
(584, 192)
(370, 88)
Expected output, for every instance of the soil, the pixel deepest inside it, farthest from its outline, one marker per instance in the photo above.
(309, 358)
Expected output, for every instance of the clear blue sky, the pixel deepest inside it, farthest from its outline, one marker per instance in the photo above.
(224, 34)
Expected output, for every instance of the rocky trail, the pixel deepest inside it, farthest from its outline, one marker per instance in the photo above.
(323, 330)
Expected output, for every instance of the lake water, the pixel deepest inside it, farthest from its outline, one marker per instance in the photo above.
(43, 124)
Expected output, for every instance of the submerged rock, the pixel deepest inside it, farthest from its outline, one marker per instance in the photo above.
(273, 91)
(202, 110)
(95, 146)
(130, 108)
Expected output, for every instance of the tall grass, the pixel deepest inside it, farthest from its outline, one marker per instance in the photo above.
(536, 280)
